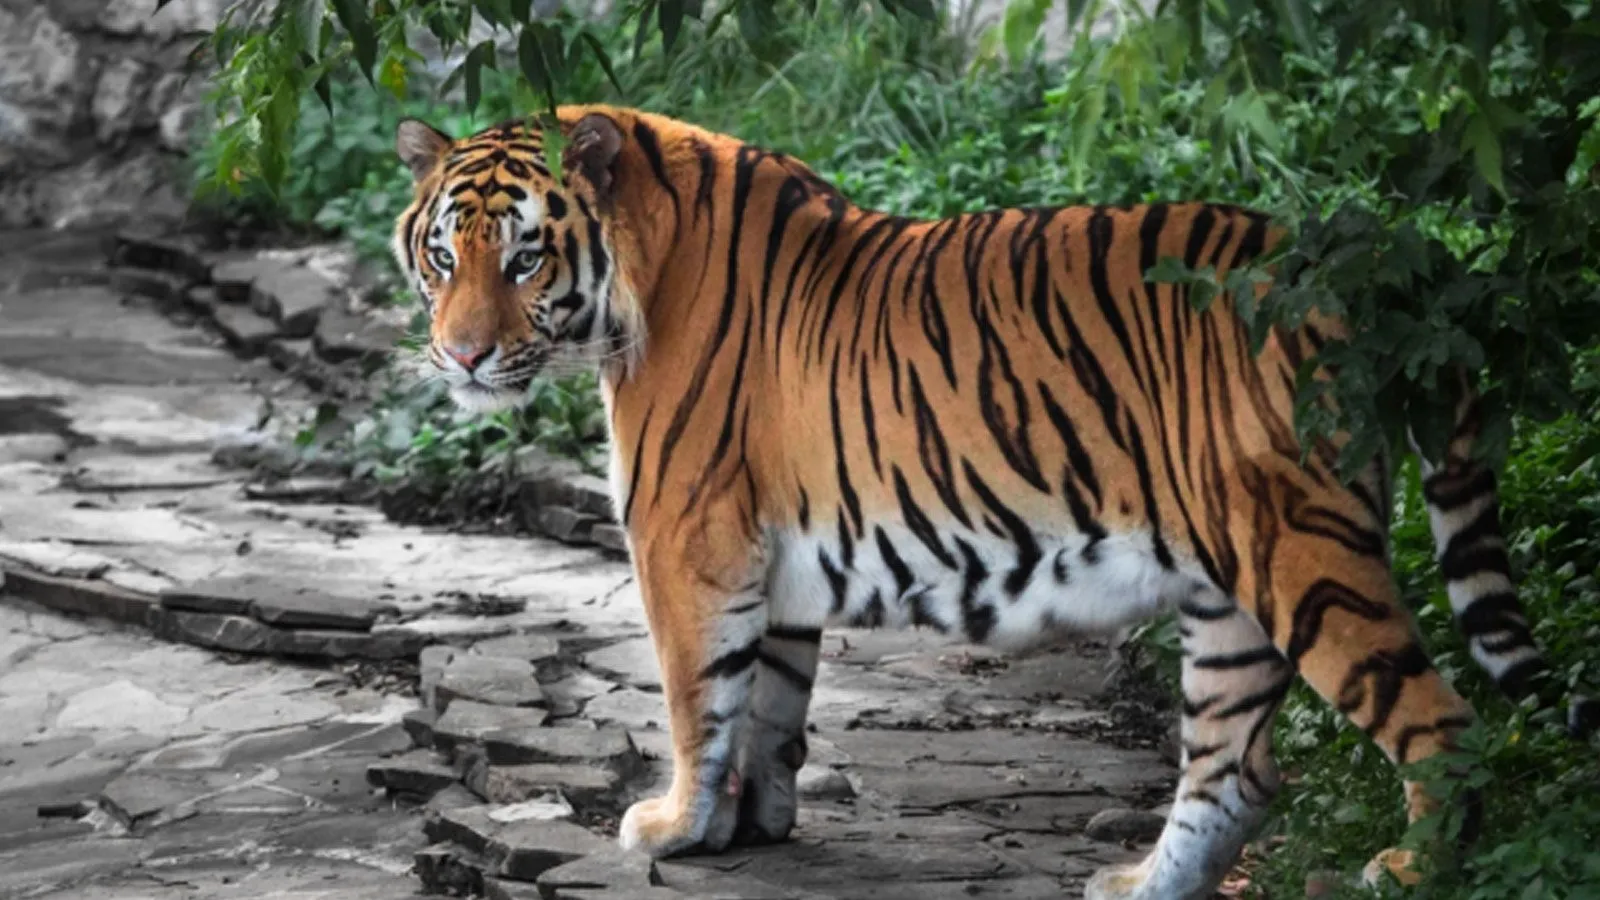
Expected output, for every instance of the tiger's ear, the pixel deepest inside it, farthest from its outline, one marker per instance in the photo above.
(592, 148)
(420, 146)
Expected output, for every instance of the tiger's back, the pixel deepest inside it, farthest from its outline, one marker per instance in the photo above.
(991, 425)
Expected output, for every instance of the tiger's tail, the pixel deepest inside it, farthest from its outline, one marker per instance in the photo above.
(1464, 511)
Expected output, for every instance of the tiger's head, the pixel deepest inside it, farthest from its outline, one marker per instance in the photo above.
(516, 270)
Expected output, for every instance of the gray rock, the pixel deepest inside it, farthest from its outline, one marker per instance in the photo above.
(455, 796)
(647, 893)
(527, 849)
(633, 661)
(470, 722)
(505, 889)
(231, 596)
(467, 826)
(244, 635)
(1119, 825)
(118, 92)
(533, 648)
(293, 297)
(80, 596)
(616, 869)
(42, 81)
(566, 524)
(178, 255)
(137, 797)
(450, 870)
(510, 745)
(591, 494)
(588, 788)
(418, 772)
(610, 537)
(814, 782)
(234, 275)
(306, 608)
(167, 289)
(129, 17)
(495, 680)
(201, 299)
(431, 663)
(244, 330)
(289, 354)
(419, 723)
(343, 336)
(628, 708)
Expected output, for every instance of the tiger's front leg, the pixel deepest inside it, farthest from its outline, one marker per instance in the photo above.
(702, 584)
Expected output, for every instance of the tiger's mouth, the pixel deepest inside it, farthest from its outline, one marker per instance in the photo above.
(475, 396)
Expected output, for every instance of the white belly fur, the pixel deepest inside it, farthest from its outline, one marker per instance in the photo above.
(1116, 583)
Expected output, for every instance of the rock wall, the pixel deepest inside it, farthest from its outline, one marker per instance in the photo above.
(95, 110)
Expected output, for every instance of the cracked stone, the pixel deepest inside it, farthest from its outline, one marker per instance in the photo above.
(1120, 825)
(229, 596)
(469, 826)
(446, 869)
(470, 722)
(173, 254)
(586, 787)
(419, 723)
(120, 706)
(293, 297)
(615, 868)
(628, 708)
(533, 648)
(527, 849)
(80, 596)
(243, 635)
(610, 537)
(455, 796)
(633, 661)
(343, 336)
(165, 288)
(566, 524)
(305, 608)
(234, 275)
(117, 93)
(418, 772)
(431, 663)
(244, 330)
(518, 745)
(137, 797)
(495, 680)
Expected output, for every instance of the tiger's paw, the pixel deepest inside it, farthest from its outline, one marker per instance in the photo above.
(663, 826)
(1117, 883)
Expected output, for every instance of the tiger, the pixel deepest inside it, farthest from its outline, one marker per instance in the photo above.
(990, 425)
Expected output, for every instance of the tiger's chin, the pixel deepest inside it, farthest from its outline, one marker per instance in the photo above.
(476, 397)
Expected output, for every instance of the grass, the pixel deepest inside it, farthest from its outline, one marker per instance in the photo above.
(894, 114)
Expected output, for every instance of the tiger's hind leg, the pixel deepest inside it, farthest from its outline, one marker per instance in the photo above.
(1234, 680)
(773, 742)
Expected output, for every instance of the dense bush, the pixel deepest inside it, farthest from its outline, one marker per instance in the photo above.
(903, 117)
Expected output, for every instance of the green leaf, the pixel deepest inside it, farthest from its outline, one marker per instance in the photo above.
(1481, 139)
(353, 17)
(1020, 25)
(641, 32)
(472, 68)
(1075, 9)
(603, 59)
(671, 18)
(535, 67)
(1298, 19)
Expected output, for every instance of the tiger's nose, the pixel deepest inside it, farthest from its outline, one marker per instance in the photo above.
(470, 356)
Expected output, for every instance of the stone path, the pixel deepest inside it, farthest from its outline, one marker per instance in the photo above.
(214, 686)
